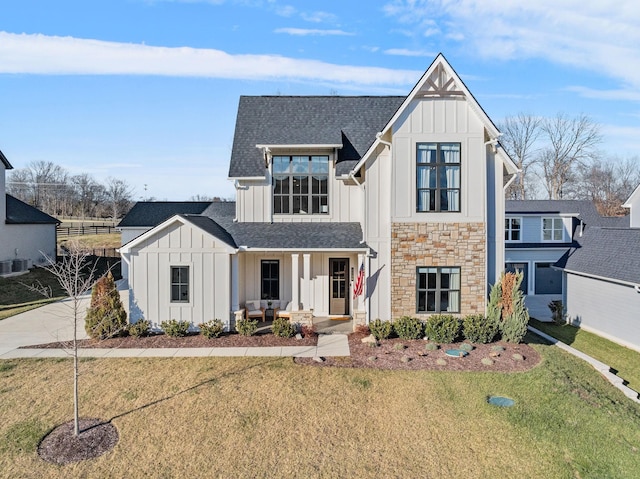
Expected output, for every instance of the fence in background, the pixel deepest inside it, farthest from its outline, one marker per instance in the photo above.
(82, 229)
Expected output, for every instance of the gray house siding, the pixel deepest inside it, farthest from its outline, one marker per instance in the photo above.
(617, 317)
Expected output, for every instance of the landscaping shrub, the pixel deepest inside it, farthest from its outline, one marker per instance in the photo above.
(362, 329)
(175, 328)
(211, 329)
(408, 328)
(442, 328)
(247, 327)
(140, 328)
(515, 316)
(106, 316)
(557, 311)
(479, 329)
(380, 329)
(282, 328)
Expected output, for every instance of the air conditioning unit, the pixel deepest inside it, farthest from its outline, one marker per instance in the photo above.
(20, 265)
(5, 267)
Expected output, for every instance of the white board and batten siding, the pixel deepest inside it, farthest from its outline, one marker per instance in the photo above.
(609, 309)
(254, 200)
(180, 244)
(127, 234)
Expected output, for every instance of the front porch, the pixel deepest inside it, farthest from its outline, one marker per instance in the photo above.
(321, 324)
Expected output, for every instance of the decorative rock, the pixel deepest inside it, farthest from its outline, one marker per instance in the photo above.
(456, 353)
(298, 336)
(517, 357)
(399, 347)
(405, 359)
(372, 345)
(318, 359)
(431, 347)
(372, 358)
(441, 362)
(497, 348)
(369, 339)
(487, 361)
(494, 354)
(466, 347)
(426, 338)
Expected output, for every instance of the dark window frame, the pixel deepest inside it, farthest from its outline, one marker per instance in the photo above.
(180, 287)
(437, 290)
(300, 192)
(271, 280)
(439, 167)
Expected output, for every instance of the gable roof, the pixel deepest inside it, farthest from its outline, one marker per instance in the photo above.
(439, 80)
(151, 213)
(632, 197)
(347, 122)
(5, 162)
(20, 213)
(606, 253)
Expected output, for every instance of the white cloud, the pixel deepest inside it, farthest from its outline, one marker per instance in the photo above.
(318, 17)
(596, 35)
(310, 32)
(50, 55)
(622, 94)
(404, 52)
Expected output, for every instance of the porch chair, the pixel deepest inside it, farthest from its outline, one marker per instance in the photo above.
(284, 313)
(252, 309)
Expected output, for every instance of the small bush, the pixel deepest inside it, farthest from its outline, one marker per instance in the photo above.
(408, 328)
(139, 329)
(282, 328)
(442, 328)
(211, 329)
(557, 311)
(106, 316)
(247, 327)
(175, 328)
(380, 329)
(479, 329)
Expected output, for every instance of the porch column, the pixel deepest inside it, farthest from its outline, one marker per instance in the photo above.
(295, 281)
(306, 281)
(235, 282)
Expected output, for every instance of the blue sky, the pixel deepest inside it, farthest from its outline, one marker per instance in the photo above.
(147, 90)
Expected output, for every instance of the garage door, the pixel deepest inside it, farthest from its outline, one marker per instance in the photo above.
(548, 280)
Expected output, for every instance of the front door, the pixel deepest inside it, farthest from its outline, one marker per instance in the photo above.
(338, 286)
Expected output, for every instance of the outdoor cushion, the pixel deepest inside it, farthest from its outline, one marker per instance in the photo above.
(253, 305)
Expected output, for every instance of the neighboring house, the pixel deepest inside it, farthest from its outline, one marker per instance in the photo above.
(602, 279)
(404, 195)
(538, 233)
(25, 232)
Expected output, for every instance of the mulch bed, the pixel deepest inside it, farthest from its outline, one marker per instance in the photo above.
(61, 446)
(414, 356)
(190, 341)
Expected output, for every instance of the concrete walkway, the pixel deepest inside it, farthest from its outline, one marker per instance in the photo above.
(328, 345)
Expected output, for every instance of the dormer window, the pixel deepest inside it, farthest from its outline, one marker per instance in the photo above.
(300, 185)
(552, 229)
(512, 229)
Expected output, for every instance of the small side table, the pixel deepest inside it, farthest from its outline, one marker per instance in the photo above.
(268, 314)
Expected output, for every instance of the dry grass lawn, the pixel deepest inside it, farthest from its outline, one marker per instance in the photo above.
(111, 240)
(268, 417)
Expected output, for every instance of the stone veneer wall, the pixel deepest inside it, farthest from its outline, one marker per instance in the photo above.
(438, 244)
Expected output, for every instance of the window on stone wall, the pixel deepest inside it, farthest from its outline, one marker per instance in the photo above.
(438, 177)
(438, 290)
(179, 284)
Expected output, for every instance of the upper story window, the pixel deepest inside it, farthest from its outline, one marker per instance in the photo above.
(552, 229)
(438, 177)
(300, 185)
(512, 229)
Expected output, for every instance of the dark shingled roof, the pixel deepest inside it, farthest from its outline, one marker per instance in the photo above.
(5, 162)
(20, 213)
(307, 120)
(298, 235)
(585, 209)
(211, 227)
(152, 213)
(607, 252)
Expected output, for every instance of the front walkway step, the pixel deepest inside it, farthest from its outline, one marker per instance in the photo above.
(333, 345)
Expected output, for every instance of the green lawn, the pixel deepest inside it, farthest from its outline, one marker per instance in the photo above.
(624, 360)
(15, 296)
(269, 417)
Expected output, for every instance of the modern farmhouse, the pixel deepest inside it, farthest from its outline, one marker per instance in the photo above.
(348, 207)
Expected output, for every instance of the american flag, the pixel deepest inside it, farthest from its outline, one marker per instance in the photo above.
(359, 286)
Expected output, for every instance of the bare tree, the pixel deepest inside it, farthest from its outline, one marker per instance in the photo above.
(519, 135)
(571, 143)
(119, 194)
(76, 275)
(608, 183)
(87, 193)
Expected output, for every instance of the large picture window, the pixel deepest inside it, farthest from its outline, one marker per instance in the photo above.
(179, 284)
(438, 177)
(438, 290)
(552, 229)
(300, 185)
(270, 279)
